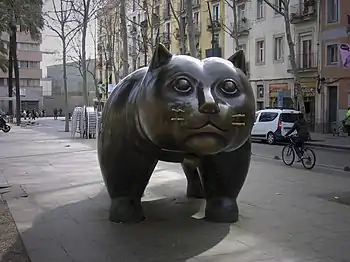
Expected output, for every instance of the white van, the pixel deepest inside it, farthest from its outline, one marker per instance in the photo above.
(272, 124)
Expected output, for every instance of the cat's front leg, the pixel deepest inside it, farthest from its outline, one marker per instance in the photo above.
(223, 177)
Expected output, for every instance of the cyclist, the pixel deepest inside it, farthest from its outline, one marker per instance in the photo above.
(303, 134)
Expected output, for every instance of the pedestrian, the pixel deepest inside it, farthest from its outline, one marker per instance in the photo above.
(43, 113)
(33, 114)
(346, 121)
(60, 112)
(55, 113)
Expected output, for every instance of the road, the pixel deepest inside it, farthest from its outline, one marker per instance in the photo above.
(60, 205)
(326, 157)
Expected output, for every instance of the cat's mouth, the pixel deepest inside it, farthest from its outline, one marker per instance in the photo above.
(208, 125)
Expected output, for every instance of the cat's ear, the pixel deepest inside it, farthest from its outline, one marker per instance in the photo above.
(161, 57)
(238, 60)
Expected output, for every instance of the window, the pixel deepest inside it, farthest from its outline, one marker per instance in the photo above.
(196, 18)
(29, 82)
(217, 39)
(260, 52)
(278, 49)
(240, 12)
(289, 118)
(216, 12)
(2, 81)
(332, 54)
(28, 46)
(259, 106)
(29, 64)
(279, 6)
(267, 116)
(260, 9)
(133, 5)
(332, 11)
(260, 91)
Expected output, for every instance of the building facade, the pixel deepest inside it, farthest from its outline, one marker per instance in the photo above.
(30, 73)
(261, 34)
(335, 62)
(54, 90)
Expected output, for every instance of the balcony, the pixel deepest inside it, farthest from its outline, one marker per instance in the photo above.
(196, 4)
(133, 30)
(305, 62)
(132, 51)
(216, 24)
(244, 26)
(303, 12)
(167, 14)
(197, 28)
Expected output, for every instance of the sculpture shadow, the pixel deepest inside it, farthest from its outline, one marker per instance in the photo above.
(168, 233)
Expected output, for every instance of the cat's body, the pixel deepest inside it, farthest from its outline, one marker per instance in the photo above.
(180, 109)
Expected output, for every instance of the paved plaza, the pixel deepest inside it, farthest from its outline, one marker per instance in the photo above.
(59, 203)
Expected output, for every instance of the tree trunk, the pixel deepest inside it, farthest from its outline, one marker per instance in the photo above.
(64, 58)
(297, 86)
(16, 69)
(124, 34)
(83, 62)
(10, 77)
(182, 27)
(190, 28)
(235, 25)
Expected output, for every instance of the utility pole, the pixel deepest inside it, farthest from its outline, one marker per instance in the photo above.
(212, 30)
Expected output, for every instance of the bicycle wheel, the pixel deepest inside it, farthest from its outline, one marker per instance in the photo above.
(309, 158)
(288, 155)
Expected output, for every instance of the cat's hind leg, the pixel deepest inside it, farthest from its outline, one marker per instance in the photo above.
(194, 184)
(223, 177)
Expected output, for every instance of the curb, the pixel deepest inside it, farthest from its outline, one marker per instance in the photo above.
(322, 145)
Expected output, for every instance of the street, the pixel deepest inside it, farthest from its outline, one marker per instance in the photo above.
(326, 157)
(60, 206)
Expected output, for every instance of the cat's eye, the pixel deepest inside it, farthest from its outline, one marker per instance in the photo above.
(182, 85)
(229, 88)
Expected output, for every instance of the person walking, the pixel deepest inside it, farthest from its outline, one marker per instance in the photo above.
(346, 121)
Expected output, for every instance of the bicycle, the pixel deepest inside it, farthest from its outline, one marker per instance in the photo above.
(306, 155)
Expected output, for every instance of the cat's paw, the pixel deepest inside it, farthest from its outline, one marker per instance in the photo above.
(126, 210)
(222, 210)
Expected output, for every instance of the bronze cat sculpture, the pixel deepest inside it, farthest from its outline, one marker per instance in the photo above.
(179, 109)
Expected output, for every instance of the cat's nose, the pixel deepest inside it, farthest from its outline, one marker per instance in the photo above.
(207, 104)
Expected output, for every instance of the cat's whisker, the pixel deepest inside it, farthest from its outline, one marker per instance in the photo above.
(238, 124)
(177, 110)
(177, 119)
(239, 115)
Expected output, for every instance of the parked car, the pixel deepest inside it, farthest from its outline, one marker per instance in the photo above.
(272, 124)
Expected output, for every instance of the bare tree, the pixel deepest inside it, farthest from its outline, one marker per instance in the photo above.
(181, 30)
(190, 28)
(108, 43)
(62, 22)
(235, 27)
(283, 9)
(84, 11)
(124, 35)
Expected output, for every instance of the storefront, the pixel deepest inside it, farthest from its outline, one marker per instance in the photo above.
(280, 96)
(309, 94)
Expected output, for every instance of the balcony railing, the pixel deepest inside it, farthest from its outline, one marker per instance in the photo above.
(165, 38)
(216, 23)
(133, 29)
(306, 11)
(305, 62)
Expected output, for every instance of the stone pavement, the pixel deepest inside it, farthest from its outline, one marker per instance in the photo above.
(330, 141)
(60, 206)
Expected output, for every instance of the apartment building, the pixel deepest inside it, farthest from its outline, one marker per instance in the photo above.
(261, 34)
(29, 58)
(335, 62)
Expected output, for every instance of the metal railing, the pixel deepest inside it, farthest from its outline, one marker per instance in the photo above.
(304, 11)
(306, 61)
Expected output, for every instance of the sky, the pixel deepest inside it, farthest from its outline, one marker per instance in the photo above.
(52, 43)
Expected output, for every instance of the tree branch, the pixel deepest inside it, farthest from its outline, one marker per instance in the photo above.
(275, 8)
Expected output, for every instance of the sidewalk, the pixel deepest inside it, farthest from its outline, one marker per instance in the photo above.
(330, 141)
(60, 206)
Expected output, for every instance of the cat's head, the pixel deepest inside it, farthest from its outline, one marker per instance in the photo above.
(196, 106)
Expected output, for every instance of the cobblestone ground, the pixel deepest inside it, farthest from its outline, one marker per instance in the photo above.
(60, 206)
